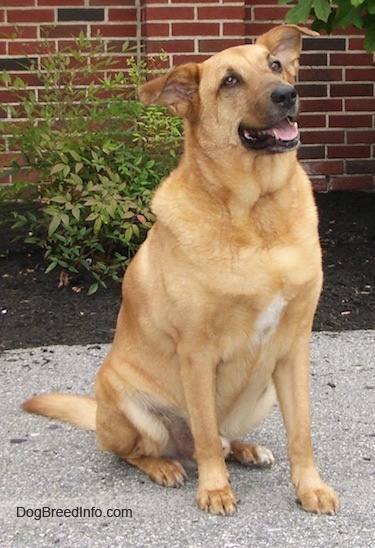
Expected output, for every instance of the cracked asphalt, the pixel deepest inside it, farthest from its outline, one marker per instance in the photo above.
(57, 489)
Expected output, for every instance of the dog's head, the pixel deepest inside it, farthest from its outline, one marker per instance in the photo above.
(243, 96)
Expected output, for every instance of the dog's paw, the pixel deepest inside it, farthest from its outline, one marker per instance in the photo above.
(167, 472)
(218, 501)
(252, 455)
(321, 500)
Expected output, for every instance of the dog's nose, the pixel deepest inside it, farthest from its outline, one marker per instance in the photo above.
(285, 96)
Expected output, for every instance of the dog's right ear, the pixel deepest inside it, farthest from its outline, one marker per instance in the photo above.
(178, 90)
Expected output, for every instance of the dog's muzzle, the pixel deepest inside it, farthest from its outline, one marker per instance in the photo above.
(281, 137)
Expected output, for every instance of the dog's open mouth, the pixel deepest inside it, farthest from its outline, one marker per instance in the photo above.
(280, 138)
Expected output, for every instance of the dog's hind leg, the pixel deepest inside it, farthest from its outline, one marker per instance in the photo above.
(139, 439)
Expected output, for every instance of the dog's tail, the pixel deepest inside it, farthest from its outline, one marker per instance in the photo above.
(78, 410)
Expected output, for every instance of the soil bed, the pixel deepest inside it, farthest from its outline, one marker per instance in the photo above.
(34, 311)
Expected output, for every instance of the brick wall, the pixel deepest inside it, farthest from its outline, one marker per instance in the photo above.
(337, 78)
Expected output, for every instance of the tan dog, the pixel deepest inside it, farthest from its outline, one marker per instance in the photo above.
(218, 303)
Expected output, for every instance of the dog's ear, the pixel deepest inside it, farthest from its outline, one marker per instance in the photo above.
(178, 90)
(285, 43)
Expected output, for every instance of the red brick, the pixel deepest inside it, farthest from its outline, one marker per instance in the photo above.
(308, 152)
(112, 2)
(7, 96)
(356, 43)
(156, 29)
(362, 182)
(312, 120)
(358, 104)
(31, 16)
(195, 29)
(360, 74)
(262, 2)
(322, 136)
(175, 1)
(314, 59)
(320, 75)
(319, 184)
(273, 13)
(323, 104)
(30, 78)
(17, 3)
(23, 48)
(328, 167)
(350, 120)
(216, 45)
(351, 59)
(346, 151)
(62, 31)
(233, 29)
(352, 90)
(181, 58)
(109, 31)
(253, 30)
(361, 136)
(20, 32)
(7, 158)
(122, 15)
(62, 3)
(312, 90)
(2, 17)
(219, 13)
(169, 46)
(152, 13)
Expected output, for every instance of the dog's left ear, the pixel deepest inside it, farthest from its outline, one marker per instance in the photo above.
(178, 90)
(285, 43)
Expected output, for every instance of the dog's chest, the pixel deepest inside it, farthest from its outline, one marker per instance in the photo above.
(268, 320)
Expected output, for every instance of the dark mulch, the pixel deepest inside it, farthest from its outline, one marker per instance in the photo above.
(34, 311)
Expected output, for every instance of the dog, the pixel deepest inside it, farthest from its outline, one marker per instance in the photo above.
(218, 303)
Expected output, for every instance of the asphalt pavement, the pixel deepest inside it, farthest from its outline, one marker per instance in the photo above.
(57, 489)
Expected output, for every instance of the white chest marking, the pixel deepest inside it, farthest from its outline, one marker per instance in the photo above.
(268, 320)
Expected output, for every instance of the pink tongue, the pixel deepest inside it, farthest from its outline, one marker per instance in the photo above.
(284, 131)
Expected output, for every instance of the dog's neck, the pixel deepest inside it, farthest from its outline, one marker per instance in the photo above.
(256, 174)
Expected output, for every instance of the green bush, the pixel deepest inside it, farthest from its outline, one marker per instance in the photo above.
(330, 14)
(98, 154)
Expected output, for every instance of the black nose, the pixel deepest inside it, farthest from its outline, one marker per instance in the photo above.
(285, 96)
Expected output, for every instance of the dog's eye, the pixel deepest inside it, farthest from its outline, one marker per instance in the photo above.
(276, 66)
(230, 81)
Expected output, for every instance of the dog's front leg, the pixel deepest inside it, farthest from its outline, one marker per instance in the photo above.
(198, 373)
(291, 379)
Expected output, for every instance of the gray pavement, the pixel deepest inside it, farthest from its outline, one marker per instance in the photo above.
(56, 467)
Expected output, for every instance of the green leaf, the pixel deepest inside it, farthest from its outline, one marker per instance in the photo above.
(76, 212)
(54, 224)
(93, 289)
(128, 233)
(59, 199)
(369, 41)
(322, 9)
(300, 13)
(357, 3)
(97, 225)
(57, 168)
(75, 155)
(65, 219)
(92, 216)
(50, 267)
(348, 15)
